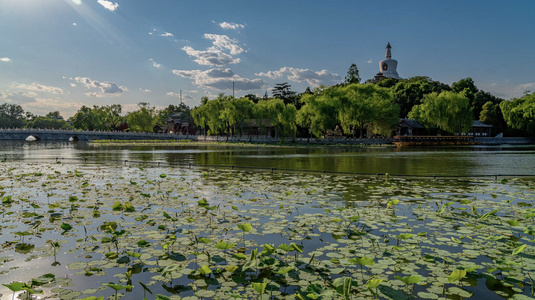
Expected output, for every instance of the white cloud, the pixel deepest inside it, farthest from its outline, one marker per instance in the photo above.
(314, 78)
(145, 90)
(525, 87)
(108, 5)
(370, 61)
(18, 97)
(231, 25)
(166, 34)
(224, 42)
(129, 107)
(74, 24)
(37, 87)
(220, 79)
(215, 55)
(211, 57)
(177, 95)
(5, 59)
(508, 91)
(42, 106)
(105, 88)
(155, 64)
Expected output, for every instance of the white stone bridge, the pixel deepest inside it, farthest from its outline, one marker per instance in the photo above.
(75, 135)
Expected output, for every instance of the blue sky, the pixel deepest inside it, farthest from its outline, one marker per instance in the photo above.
(61, 54)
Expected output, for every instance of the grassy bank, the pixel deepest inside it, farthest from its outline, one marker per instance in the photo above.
(222, 143)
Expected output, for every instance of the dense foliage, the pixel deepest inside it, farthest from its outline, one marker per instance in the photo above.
(520, 113)
(448, 111)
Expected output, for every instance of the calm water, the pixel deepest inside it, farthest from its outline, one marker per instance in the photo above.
(283, 208)
(463, 161)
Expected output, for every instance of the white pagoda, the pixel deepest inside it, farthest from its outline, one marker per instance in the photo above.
(387, 66)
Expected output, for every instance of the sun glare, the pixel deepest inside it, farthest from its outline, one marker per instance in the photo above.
(77, 2)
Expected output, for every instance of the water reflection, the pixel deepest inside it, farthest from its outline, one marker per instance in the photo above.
(464, 161)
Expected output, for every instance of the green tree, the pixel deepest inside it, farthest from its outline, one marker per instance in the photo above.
(48, 122)
(480, 98)
(106, 117)
(11, 115)
(252, 97)
(369, 105)
(470, 90)
(142, 120)
(387, 82)
(208, 115)
(491, 114)
(112, 116)
(281, 116)
(83, 119)
(352, 75)
(410, 92)
(200, 117)
(448, 111)
(519, 113)
(284, 91)
(465, 84)
(488, 113)
(244, 108)
(262, 115)
(319, 112)
(54, 115)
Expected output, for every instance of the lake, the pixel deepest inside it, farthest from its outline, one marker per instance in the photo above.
(422, 161)
(78, 222)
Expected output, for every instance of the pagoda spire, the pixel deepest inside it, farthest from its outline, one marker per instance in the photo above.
(388, 54)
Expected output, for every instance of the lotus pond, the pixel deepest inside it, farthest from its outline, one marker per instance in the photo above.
(75, 231)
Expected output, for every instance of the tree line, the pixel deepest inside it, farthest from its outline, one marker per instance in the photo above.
(105, 118)
(372, 108)
(349, 108)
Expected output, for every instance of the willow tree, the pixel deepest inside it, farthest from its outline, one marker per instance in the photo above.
(142, 120)
(448, 111)
(282, 116)
(366, 106)
(519, 113)
(319, 111)
(235, 112)
(200, 117)
(244, 108)
(208, 115)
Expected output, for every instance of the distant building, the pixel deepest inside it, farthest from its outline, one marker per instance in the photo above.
(387, 67)
(253, 127)
(480, 129)
(179, 123)
(409, 127)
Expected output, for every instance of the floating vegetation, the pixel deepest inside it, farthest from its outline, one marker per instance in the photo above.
(106, 232)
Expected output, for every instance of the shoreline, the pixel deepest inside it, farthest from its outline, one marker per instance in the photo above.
(233, 143)
(300, 142)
